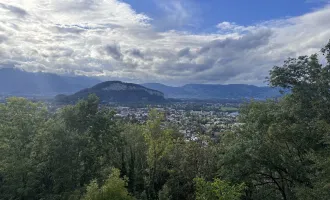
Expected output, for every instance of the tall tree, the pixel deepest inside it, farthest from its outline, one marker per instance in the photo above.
(159, 141)
(277, 149)
(20, 123)
(135, 150)
(190, 159)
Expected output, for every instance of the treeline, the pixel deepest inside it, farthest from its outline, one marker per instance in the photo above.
(82, 151)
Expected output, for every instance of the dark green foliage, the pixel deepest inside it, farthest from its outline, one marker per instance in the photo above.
(135, 157)
(20, 124)
(282, 149)
(190, 160)
(217, 190)
(49, 157)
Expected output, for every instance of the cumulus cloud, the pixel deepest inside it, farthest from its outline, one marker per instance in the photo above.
(108, 39)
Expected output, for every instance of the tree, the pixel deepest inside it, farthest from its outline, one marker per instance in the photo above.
(309, 82)
(159, 143)
(70, 151)
(269, 151)
(100, 137)
(135, 155)
(217, 190)
(20, 123)
(114, 188)
(278, 149)
(190, 159)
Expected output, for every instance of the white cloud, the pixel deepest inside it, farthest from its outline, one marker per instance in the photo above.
(233, 27)
(176, 14)
(107, 38)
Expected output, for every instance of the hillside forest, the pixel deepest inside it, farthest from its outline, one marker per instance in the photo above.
(81, 151)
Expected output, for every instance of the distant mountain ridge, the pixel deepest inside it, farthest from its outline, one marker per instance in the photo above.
(116, 91)
(18, 82)
(214, 91)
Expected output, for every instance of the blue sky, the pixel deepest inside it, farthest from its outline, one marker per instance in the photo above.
(174, 42)
(208, 13)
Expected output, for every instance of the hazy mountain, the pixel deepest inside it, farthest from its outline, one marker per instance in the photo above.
(116, 91)
(169, 92)
(213, 91)
(18, 82)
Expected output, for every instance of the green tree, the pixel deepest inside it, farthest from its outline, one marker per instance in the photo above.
(71, 151)
(190, 159)
(135, 157)
(217, 190)
(45, 156)
(20, 123)
(100, 137)
(114, 188)
(159, 142)
(278, 150)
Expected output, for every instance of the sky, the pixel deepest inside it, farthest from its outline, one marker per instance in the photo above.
(174, 42)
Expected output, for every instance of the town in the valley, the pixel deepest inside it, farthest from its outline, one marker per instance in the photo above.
(189, 117)
(213, 120)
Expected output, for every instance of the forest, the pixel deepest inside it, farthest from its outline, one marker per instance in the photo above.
(281, 150)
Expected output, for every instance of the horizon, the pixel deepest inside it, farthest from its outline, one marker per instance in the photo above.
(175, 42)
(138, 83)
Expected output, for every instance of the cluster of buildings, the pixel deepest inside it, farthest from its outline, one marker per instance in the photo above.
(189, 118)
(188, 121)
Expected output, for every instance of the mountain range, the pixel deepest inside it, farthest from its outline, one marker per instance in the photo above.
(215, 91)
(18, 82)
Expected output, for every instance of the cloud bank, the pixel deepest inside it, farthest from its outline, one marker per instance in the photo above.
(108, 39)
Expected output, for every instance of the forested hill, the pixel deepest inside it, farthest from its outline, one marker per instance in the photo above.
(213, 91)
(116, 91)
